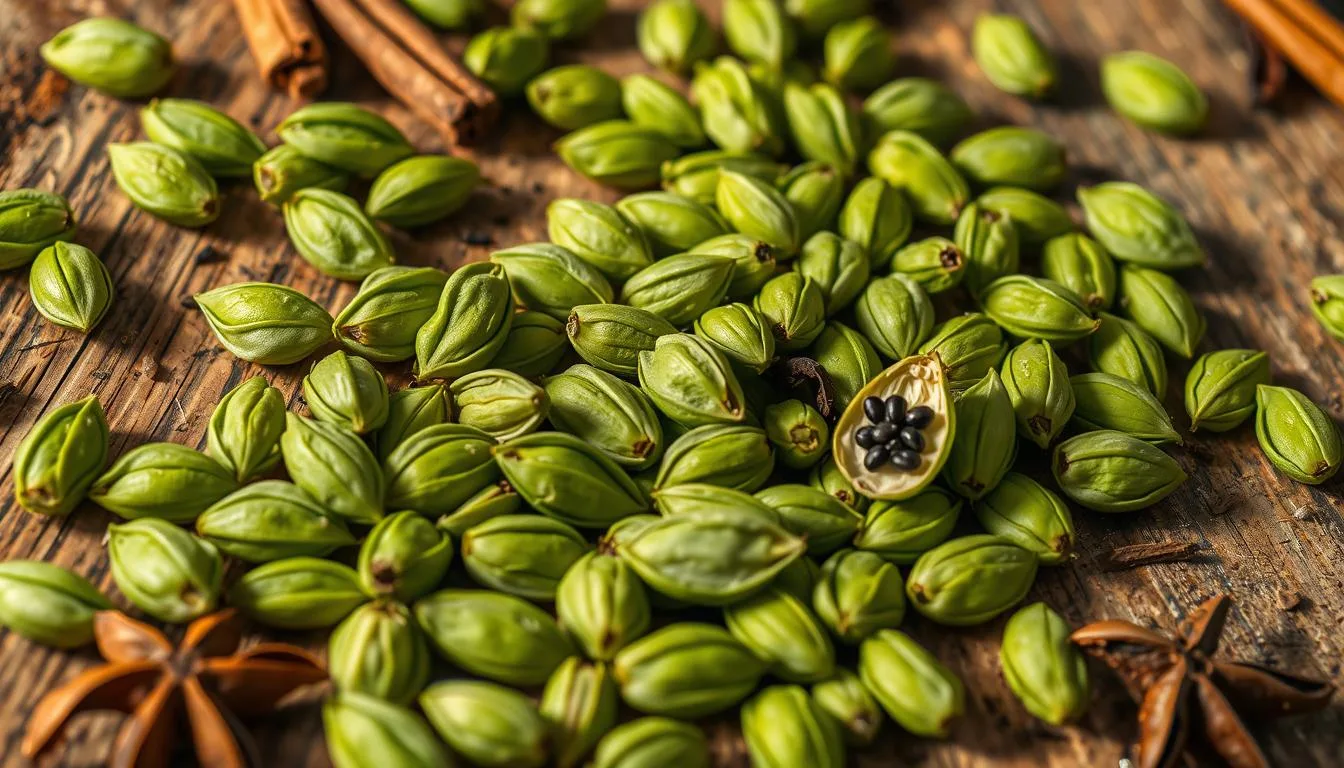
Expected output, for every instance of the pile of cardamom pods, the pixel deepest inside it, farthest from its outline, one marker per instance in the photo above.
(642, 513)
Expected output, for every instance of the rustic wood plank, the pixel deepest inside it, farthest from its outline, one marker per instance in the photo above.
(1264, 191)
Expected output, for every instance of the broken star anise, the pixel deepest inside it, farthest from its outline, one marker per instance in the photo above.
(1183, 691)
(151, 681)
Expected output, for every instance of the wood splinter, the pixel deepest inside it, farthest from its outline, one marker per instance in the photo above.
(1138, 555)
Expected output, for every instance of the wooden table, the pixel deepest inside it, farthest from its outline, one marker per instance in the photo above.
(1265, 191)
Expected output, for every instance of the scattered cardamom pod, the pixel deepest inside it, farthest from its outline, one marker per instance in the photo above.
(618, 153)
(602, 605)
(283, 170)
(753, 262)
(758, 32)
(985, 446)
(1011, 156)
(437, 468)
(857, 54)
(674, 34)
(756, 209)
(1042, 666)
(345, 136)
(679, 288)
(298, 593)
(901, 531)
(878, 218)
(404, 557)
(815, 191)
(70, 286)
(600, 235)
(1121, 348)
(535, 344)
(728, 455)
(487, 723)
(1105, 401)
(920, 105)
(1153, 92)
(348, 392)
(60, 457)
(378, 650)
(691, 381)
(409, 411)
(31, 221)
(1037, 308)
(970, 580)
(686, 670)
(335, 466)
(652, 103)
(1327, 302)
(496, 636)
(111, 55)
(936, 263)
(895, 314)
(163, 480)
(580, 703)
(221, 145)
(696, 176)
(48, 604)
(524, 555)
(1038, 385)
(1112, 472)
(968, 346)
(331, 232)
(381, 321)
(741, 333)
(837, 266)
(825, 522)
(244, 430)
(500, 403)
(799, 433)
(1220, 388)
(783, 726)
(611, 336)
(1159, 305)
(359, 726)
(824, 127)
(795, 308)
(494, 500)
(558, 19)
(647, 742)
(911, 164)
(1296, 435)
(165, 182)
(1012, 57)
(1037, 217)
(826, 476)
(163, 570)
(671, 224)
(849, 703)
(848, 358)
(457, 15)
(1082, 265)
(573, 96)
(469, 326)
(1029, 515)
(271, 520)
(422, 189)
(989, 246)
(606, 412)
(918, 692)
(265, 323)
(1138, 227)
(857, 594)
(565, 478)
(739, 114)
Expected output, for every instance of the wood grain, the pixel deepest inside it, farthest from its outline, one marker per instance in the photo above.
(1264, 191)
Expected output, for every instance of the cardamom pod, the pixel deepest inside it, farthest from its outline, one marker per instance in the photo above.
(839, 268)
(335, 466)
(857, 54)
(782, 726)
(496, 636)
(970, 580)
(574, 96)
(271, 520)
(458, 15)
(31, 221)
(378, 650)
(48, 604)
(331, 232)
(70, 286)
(409, 411)
(702, 498)
(825, 522)
(920, 105)
(164, 480)
(552, 279)
(848, 358)
(679, 288)
(686, 670)
(753, 262)
(696, 176)
(652, 103)
(606, 412)
(794, 306)
(1159, 305)
(404, 557)
(469, 326)
(799, 433)
(495, 500)
(895, 314)
(1121, 348)
(726, 455)
(649, 742)
(671, 223)
(824, 127)
(611, 336)
(298, 593)
(163, 570)
(739, 114)
(1153, 93)
(758, 32)
(60, 457)
(558, 19)
(1296, 435)
(1042, 666)
(381, 321)
(524, 555)
(1029, 515)
(111, 55)
(857, 594)
(1327, 300)
(849, 703)
(815, 190)
(1138, 227)
(826, 476)
(691, 381)
(1012, 57)
(344, 136)
(535, 344)
(1220, 388)
(437, 468)
(265, 323)
(969, 346)
(600, 235)
(500, 403)
(920, 694)
(1112, 472)
(602, 605)
(617, 153)
(565, 478)
(580, 703)
(367, 732)
(877, 217)
(911, 164)
(901, 531)
(989, 246)
(1037, 217)
(936, 263)
(756, 209)
(220, 143)
(347, 392)
(283, 170)
(422, 189)
(740, 333)
(1011, 156)
(166, 183)
(1038, 386)
(674, 34)
(1037, 308)
(487, 724)
(1110, 402)
(986, 443)
(1082, 265)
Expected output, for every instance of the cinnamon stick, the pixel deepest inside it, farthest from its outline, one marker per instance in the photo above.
(406, 58)
(285, 42)
(1307, 36)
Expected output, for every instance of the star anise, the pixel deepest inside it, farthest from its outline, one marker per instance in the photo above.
(150, 680)
(1183, 691)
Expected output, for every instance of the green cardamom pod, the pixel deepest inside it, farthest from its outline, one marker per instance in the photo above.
(283, 170)
(727, 455)
(221, 145)
(163, 570)
(621, 531)
(298, 593)
(551, 279)
(409, 411)
(837, 266)
(606, 412)
(906, 161)
(164, 480)
(457, 15)
(679, 288)
(600, 235)
(348, 392)
(1159, 305)
(420, 190)
(1031, 516)
(1012, 57)
(702, 498)
(671, 223)
(70, 286)
(784, 728)
(798, 579)
(244, 431)
(1037, 217)
(1042, 666)
(696, 176)
(989, 246)
(896, 315)
(535, 344)
(497, 636)
(558, 19)
(618, 153)
(741, 333)
(506, 58)
(758, 32)
(500, 403)
(331, 232)
(165, 183)
(824, 127)
(857, 54)
(335, 466)
(691, 381)
(815, 191)
(753, 262)
(1121, 348)
(265, 323)
(580, 702)
(936, 263)
(654, 104)
(1138, 227)
(795, 307)
(524, 555)
(653, 742)
(111, 55)
(1220, 388)
(1011, 156)
(1082, 265)
(686, 670)
(674, 34)
(31, 221)
(1038, 386)
(918, 692)
(565, 478)
(404, 557)
(1296, 435)
(381, 321)
(756, 209)
(367, 732)
(469, 326)
(814, 17)
(825, 522)
(970, 580)
(1037, 308)
(920, 105)
(378, 650)
(857, 594)
(488, 724)
(48, 604)
(901, 531)
(602, 605)
(969, 346)
(986, 443)
(1153, 93)
(271, 520)
(798, 432)
(611, 336)
(1110, 471)
(1111, 402)
(826, 476)
(60, 457)
(495, 500)
(345, 136)
(437, 468)
(878, 218)
(848, 358)
(738, 113)
(574, 96)
(1327, 299)
(849, 703)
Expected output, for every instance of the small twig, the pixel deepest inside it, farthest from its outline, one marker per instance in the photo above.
(41, 344)
(1138, 555)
